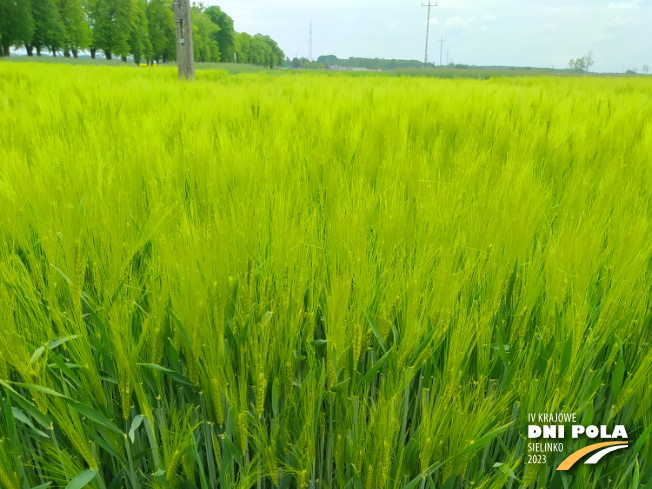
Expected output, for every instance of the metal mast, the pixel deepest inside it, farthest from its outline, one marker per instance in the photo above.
(310, 43)
(441, 49)
(425, 59)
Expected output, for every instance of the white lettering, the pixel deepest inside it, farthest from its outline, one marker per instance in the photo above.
(577, 430)
(533, 431)
(619, 431)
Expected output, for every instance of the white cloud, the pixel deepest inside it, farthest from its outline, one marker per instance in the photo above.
(623, 5)
(624, 21)
(488, 18)
(456, 22)
(434, 20)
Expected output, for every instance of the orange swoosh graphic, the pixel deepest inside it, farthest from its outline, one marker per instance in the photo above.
(575, 456)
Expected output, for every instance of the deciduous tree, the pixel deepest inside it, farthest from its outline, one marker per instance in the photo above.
(225, 36)
(77, 30)
(160, 19)
(139, 43)
(203, 36)
(49, 31)
(113, 23)
(588, 60)
(16, 24)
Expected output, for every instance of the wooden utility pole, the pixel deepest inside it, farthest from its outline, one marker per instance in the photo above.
(425, 59)
(185, 53)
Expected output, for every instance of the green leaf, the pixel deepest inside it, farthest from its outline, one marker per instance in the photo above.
(102, 443)
(82, 479)
(42, 419)
(9, 418)
(134, 426)
(597, 380)
(39, 388)
(450, 482)
(374, 370)
(117, 480)
(374, 329)
(275, 397)
(641, 440)
(43, 486)
(233, 451)
(501, 349)
(37, 354)
(65, 369)
(424, 344)
(483, 440)
(184, 333)
(317, 343)
(617, 378)
(175, 375)
(413, 483)
(62, 274)
(337, 387)
(566, 355)
(171, 353)
(200, 465)
(20, 416)
(54, 343)
(90, 413)
(160, 475)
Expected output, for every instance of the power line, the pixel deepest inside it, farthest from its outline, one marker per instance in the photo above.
(441, 49)
(425, 59)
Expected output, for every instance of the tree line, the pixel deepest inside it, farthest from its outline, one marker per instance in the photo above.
(141, 29)
(581, 64)
(371, 63)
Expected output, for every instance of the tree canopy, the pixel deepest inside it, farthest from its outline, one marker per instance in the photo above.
(140, 29)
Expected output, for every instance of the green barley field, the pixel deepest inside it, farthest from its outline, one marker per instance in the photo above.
(310, 281)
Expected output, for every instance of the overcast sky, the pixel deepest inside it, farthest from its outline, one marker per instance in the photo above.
(481, 32)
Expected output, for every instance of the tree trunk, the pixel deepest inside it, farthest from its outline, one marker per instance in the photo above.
(54, 52)
(66, 52)
(92, 53)
(38, 51)
(30, 50)
(6, 50)
(75, 52)
(108, 56)
(124, 59)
